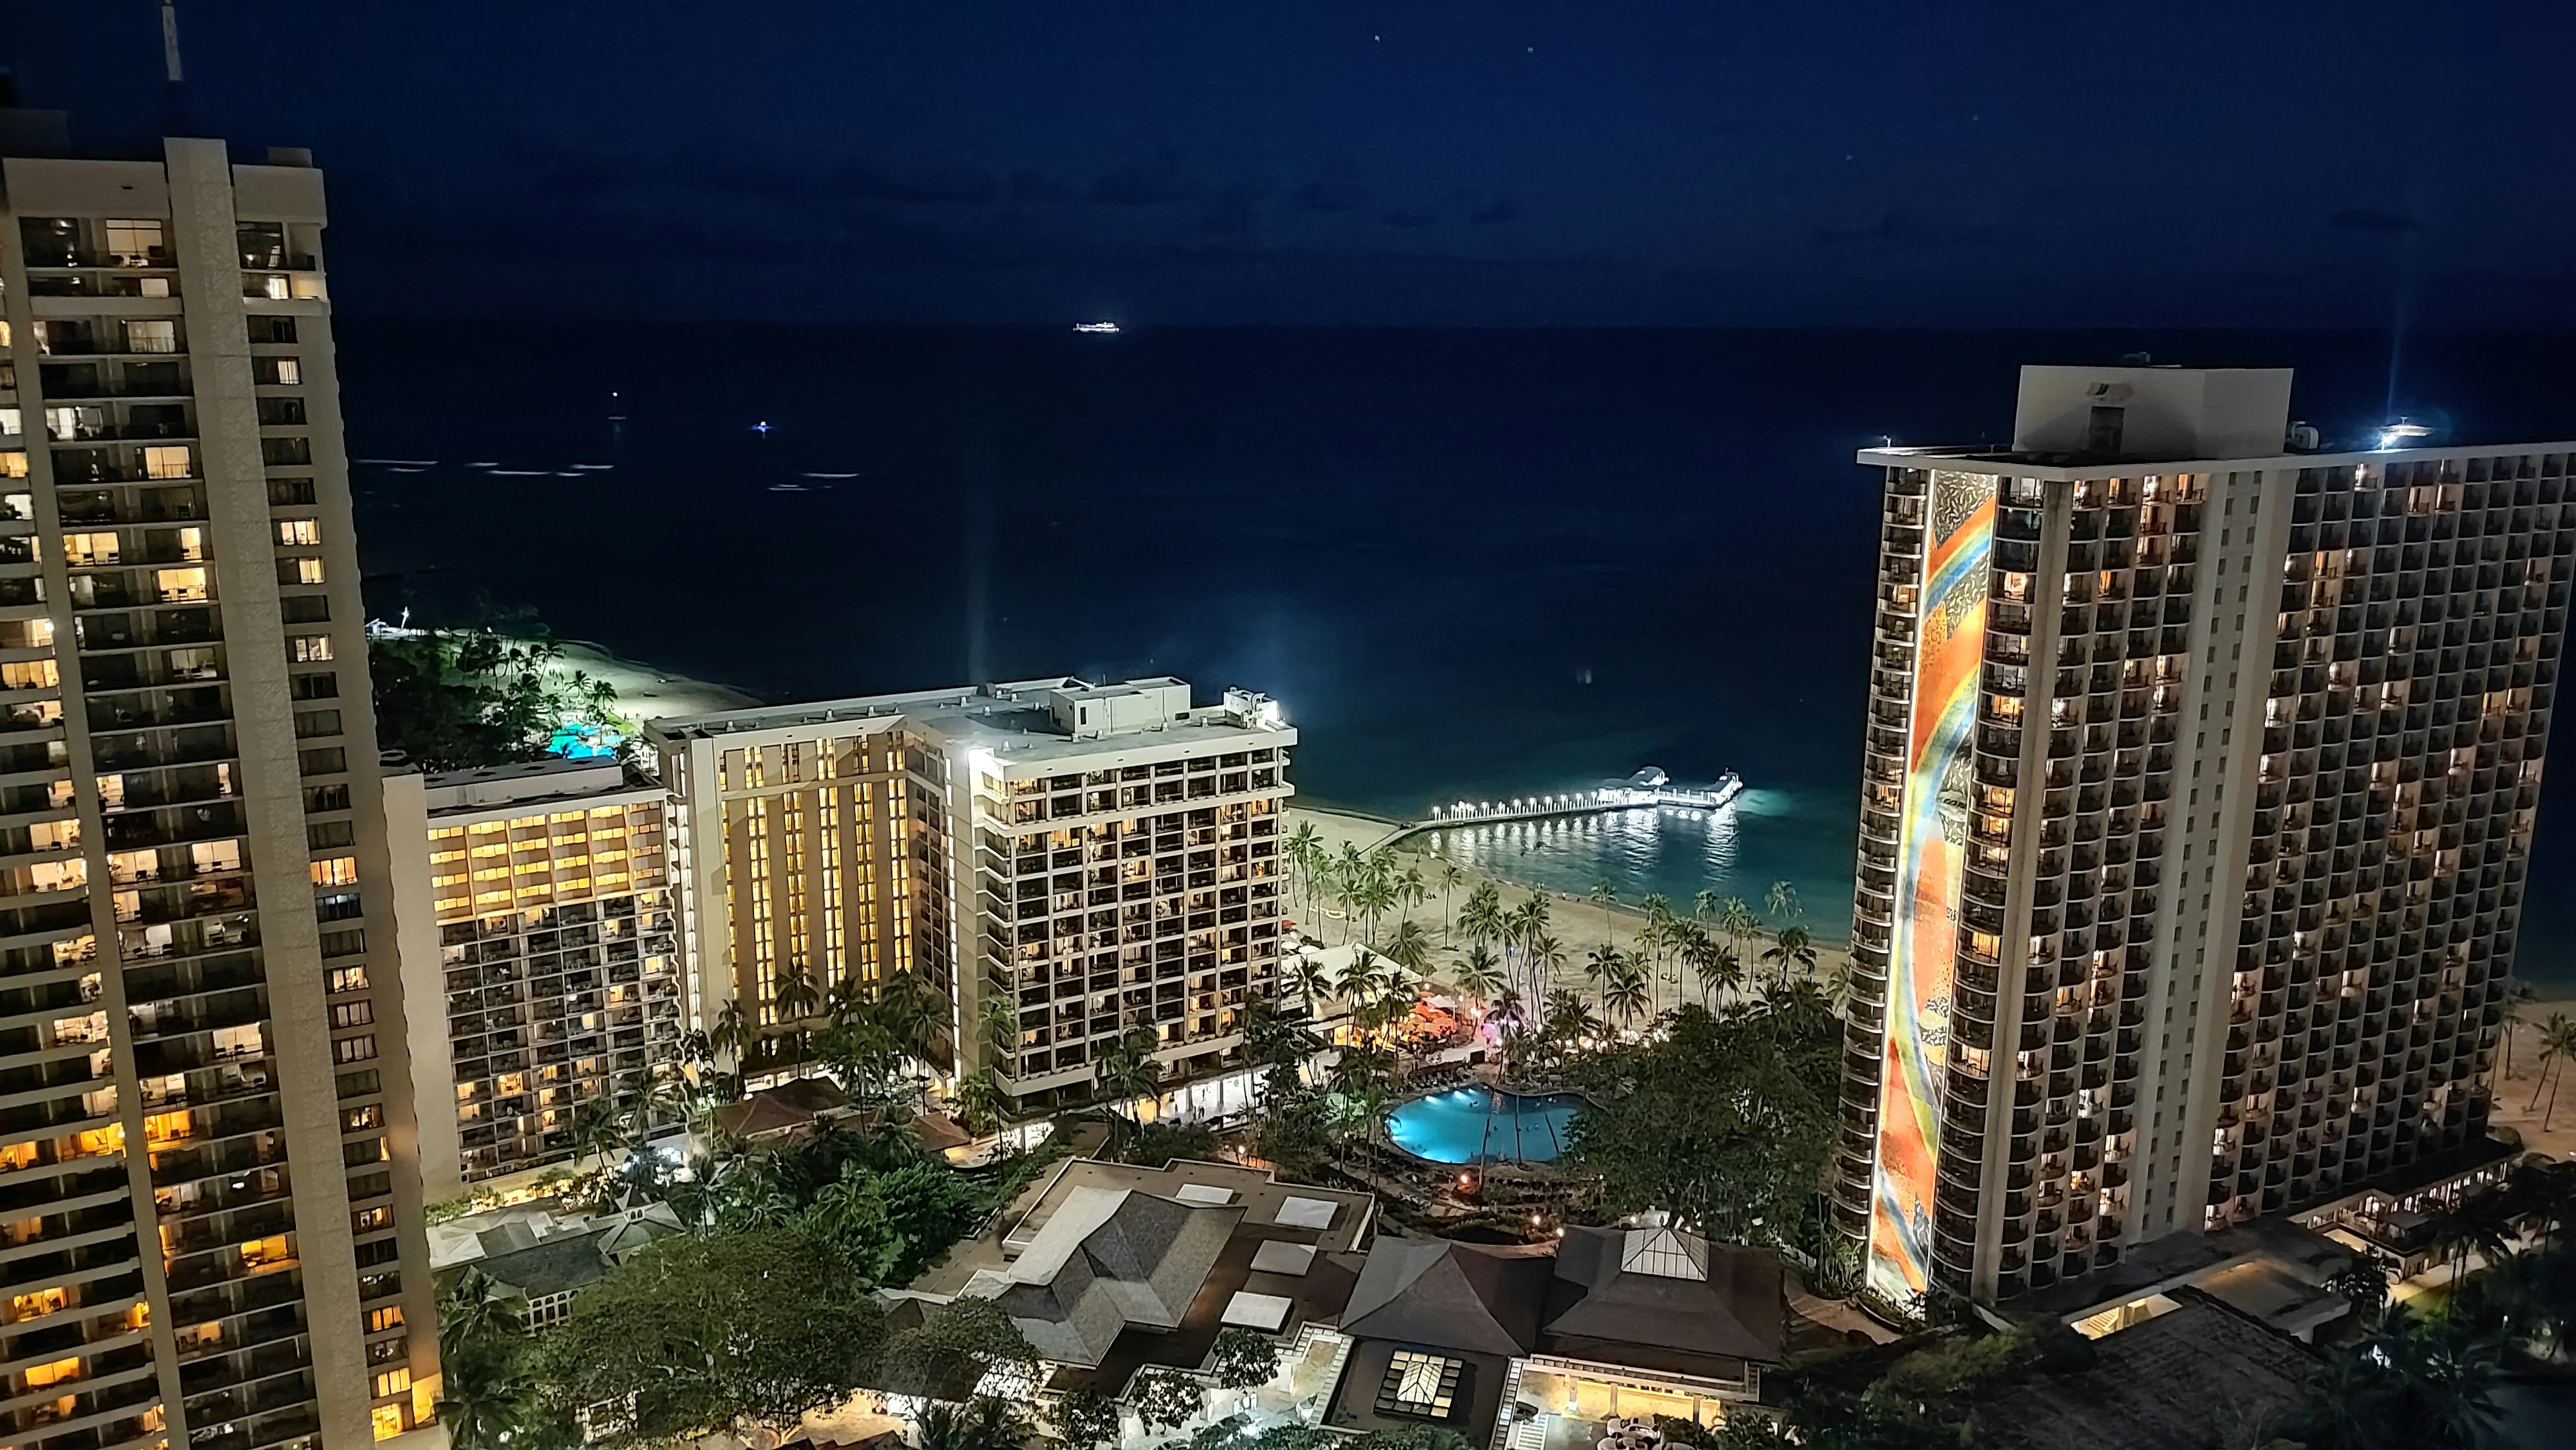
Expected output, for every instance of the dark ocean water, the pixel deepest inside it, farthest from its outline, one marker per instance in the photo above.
(1472, 564)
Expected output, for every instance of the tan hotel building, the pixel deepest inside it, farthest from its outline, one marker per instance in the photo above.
(210, 1218)
(1101, 856)
(539, 959)
(2198, 797)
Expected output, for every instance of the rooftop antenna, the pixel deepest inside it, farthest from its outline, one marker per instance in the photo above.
(174, 94)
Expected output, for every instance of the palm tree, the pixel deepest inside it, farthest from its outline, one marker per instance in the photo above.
(980, 1100)
(1568, 1021)
(1545, 954)
(1411, 890)
(1783, 902)
(909, 1011)
(1376, 896)
(1310, 975)
(1601, 965)
(1606, 896)
(1704, 906)
(1129, 1074)
(1478, 975)
(796, 998)
(730, 1037)
(1483, 919)
(985, 1422)
(1715, 964)
(597, 1128)
(997, 1023)
(1738, 922)
(1450, 878)
(1304, 846)
(1367, 978)
(1628, 993)
(2558, 1044)
(2549, 1058)
(1409, 947)
(845, 1000)
(472, 1314)
(1792, 948)
(1657, 936)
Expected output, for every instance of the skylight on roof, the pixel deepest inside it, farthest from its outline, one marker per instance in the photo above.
(1664, 1253)
(1420, 1384)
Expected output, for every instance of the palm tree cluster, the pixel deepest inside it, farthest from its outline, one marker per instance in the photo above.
(2557, 1047)
(2429, 1379)
(1366, 885)
(864, 1036)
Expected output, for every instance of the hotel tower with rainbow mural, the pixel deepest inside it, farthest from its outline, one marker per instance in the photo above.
(2199, 784)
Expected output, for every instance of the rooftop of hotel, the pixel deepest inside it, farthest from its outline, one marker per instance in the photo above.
(530, 785)
(2200, 1375)
(1110, 1267)
(2071, 466)
(2080, 422)
(1034, 720)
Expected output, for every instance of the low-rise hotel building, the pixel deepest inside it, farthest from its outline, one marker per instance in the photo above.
(2199, 791)
(538, 957)
(1099, 858)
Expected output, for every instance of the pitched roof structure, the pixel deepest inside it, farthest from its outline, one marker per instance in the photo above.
(1450, 1296)
(1108, 1259)
(1662, 1298)
(552, 1265)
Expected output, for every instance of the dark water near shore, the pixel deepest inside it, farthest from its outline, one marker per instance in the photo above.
(1472, 564)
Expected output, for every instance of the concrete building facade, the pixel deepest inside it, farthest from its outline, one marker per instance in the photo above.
(213, 1217)
(539, 959)
(1089, 858)
(2199, 788)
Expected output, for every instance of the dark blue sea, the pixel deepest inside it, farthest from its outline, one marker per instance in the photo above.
(1472, 564)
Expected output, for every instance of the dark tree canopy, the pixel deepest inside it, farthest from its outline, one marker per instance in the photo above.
(699, 1333)
(1726, 1122)
(465, 699)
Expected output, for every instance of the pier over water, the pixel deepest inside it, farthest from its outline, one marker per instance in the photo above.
(1648, 787)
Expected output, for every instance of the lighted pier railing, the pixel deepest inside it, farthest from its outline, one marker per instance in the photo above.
(1577, 803)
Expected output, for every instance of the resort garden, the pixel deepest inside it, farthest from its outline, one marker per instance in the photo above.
(1700, 1057)
(1713, 1107)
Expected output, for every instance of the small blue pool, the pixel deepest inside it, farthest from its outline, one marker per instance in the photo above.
(1480, 1125)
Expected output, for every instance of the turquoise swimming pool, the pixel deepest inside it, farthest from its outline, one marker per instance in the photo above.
(1480, 1125)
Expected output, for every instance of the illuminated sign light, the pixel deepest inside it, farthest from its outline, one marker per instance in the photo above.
(1931, 852)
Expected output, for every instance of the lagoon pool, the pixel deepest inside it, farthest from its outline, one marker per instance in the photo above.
(1480, 1125)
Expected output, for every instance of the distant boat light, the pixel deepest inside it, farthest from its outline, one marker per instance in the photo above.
(1100, 327)
(2402, 432)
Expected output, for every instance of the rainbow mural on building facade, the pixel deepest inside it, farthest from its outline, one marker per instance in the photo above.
(1931, 853)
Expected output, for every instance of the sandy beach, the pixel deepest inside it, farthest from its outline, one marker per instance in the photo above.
(1577, 922)
(2520, 1084)
(644, 693)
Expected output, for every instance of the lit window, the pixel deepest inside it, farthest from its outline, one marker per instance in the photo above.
(293, 532)
(133, 243)
(168, 462)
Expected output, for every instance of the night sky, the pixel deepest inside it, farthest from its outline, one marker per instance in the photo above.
(1214, 162)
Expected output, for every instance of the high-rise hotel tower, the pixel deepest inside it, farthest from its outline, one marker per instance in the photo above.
(1060, 863)
(2198, 795)
(210, 1224)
